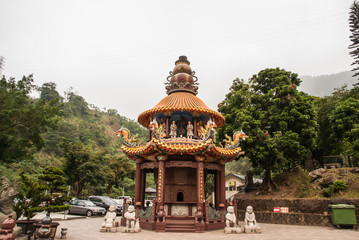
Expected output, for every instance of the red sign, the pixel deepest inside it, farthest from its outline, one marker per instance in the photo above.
(276, 209)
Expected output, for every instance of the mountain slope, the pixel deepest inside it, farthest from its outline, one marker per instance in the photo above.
(324, 85)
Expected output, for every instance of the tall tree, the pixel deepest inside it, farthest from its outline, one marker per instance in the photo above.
(117, 167)
(344, 121)
(49, 92)
(54, 183)
(279, 120)
(23, 119)
(81, 166)
(354, 37)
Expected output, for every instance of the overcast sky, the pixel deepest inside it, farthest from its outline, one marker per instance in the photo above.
(117, 54)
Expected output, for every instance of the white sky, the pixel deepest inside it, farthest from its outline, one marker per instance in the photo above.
(117, 54)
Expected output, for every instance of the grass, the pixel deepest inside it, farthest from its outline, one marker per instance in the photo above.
(300, 185)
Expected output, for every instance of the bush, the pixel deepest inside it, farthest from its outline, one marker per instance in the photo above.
(329, 191)
(335, 187)
(339, 185)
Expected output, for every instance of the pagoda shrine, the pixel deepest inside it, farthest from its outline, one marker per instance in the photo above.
(181, 155)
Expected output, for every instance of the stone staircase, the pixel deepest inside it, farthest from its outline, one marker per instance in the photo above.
(180, 224)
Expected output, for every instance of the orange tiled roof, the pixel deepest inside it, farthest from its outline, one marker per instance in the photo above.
(180, 147)
(180, 101)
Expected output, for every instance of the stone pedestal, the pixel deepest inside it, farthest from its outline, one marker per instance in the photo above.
(112, 229)
(160, 226)
(132, 230)
(199, 227)
(252, 229)
(235, 230)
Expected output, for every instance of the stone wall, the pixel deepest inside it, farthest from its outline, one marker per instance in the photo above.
(301, 211)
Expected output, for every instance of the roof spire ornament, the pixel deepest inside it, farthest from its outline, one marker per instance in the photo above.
(182, 79)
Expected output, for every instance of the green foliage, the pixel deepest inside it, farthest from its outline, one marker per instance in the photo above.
(302, 193)
(30, 196)
(49, 92)
(81, 166)
(337, 123)
(344, 120)
(333, 188)
(279, 120)
(329, 191)
(209, 184)
(354, 38)
(128, 186)
(339, 185)
(116, 168)
(23, 119)
(54, 184)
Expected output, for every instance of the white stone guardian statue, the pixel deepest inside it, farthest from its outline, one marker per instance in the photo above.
(109, 220)
(132, 224)
(231, 218)
(251, 225)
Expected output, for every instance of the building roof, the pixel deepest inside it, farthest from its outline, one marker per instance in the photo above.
(180, 101)
(182, 88)
(255, 180)
(235, 175)
(180, 147)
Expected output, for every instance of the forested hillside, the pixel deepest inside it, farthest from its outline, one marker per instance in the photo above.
(80, 140)
(324, 85)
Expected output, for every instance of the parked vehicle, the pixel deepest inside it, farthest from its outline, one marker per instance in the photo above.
(118, 201)
(85, 207)
(128, 198)
(105, 202)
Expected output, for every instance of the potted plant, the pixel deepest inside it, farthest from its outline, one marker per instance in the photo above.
(28, 199)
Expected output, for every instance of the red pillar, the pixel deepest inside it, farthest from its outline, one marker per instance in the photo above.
(143, 187)
(200, 184)
(223, 184)
(217, 196)
(161, 182)
(138, 180)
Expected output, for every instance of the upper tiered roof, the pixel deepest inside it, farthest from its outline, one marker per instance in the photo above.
(182, 88)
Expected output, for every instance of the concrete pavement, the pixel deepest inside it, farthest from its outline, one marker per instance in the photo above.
(89, 229)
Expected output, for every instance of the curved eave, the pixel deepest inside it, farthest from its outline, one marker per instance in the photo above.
(180, 101)
(181, 148)
(227, 153)
(133, 152)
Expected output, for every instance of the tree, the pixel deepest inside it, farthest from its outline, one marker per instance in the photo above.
(354, 37)
(81, 166)
(23, 119)
(279, 120)
(29, 197)
(54, 184)
(49, 92)
(117, 167)
(344, 121)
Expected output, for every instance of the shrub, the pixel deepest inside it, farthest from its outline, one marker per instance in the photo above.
(339, 185)
(329, 191)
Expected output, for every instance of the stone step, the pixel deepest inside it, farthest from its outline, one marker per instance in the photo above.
(180, 230)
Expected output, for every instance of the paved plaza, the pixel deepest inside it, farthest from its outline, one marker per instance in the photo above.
(89, 229)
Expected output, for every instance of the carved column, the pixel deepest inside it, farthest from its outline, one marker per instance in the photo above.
(161, 181)
(195, 126)
(167, 126)
(200, 182)
(138, 182)
(143, 187)
(217, 190)
(222, 183)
